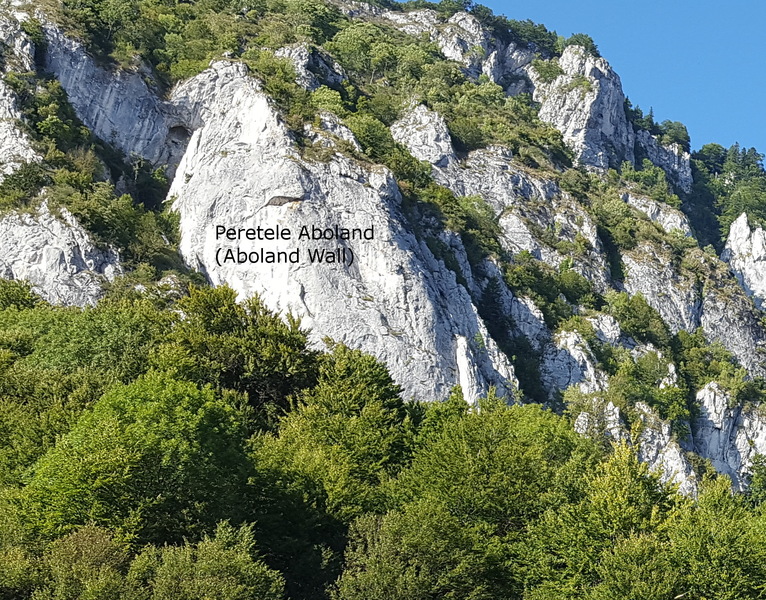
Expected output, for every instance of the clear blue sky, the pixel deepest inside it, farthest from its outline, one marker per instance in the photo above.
(701, 63)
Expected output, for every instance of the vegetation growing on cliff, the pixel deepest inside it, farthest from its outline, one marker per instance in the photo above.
(188, 446)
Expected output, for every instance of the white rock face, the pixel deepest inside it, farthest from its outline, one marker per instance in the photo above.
(117, 106)
(658, 448)
(729, 317)
(673, 159)
(18, 50)
(313, 68)
(674, 295)
(730, 436)
(602, 420)
(15, 145)
(665, 216)
(426, 135)
(394, 300)
(18, 55)
(745, 252)
(56, 255)
(586, 105)
(570, 361)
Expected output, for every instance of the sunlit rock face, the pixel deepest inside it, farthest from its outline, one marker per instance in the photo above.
(395, 300)
(50, 250)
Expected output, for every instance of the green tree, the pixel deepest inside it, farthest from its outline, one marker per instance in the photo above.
(422, 551)
(156, 460)
(243, 347)
(224, 566)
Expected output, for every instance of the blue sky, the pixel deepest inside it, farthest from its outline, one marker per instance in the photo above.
(701, 63)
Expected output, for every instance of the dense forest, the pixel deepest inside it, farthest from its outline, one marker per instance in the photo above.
(173, 443)
(196, 448)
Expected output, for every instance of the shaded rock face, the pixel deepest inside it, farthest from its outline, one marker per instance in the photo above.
(673, 159)
(56, 255)
(117, 106)
(670, 292)
(720, 307)
(730, 318)
(745, 253)
(395, 300)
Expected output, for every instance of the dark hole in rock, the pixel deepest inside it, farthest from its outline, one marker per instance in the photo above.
(179, 135)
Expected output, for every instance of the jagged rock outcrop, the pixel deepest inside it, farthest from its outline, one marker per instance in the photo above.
(586, 104)
(313, 67)
(529, 209)
(729, 317)
(665, 216)
(52, 251)
(463, 39)
(15, 146)
(671, 292)
(426, 136)
(730, 436)
(716, 303)
(745, 252)
(395, 300)
(570, 361)
(18, 51)
(658, 448)
(116, 105)
(672, 159)
(17, 55)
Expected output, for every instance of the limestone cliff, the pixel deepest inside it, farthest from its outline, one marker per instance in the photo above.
(394, 299)
(56, 255)
(420, 303)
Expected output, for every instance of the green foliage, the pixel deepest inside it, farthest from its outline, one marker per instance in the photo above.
(653, 181)
(548, 70)
(421, 552)
(622, 500)
(579, 82)
(584, 41)
(242, 347)
(223, 566)
(726, 182)
(646, 380)
(155, 460)
(757, 492)
(87, 563)
(17, 294)
(637, 319)
(673, 132)
(460, 468)
(346, 436)
(545, 286)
